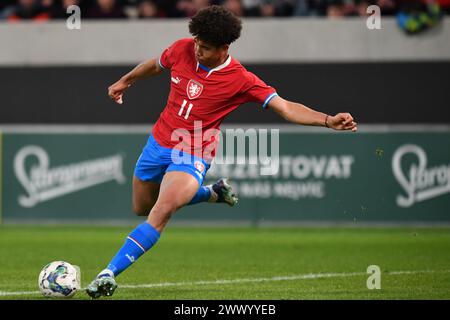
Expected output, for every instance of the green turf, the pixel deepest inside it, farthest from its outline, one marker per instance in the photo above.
(192, 255)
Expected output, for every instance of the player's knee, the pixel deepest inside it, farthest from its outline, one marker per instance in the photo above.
(168, 208)
(141, 210)
(164, 210)
(160, 215)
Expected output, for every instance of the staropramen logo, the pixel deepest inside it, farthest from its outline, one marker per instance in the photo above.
(42, 183)
(419, 182)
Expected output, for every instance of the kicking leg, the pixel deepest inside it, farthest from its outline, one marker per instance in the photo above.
(221, 191)
(176, 190)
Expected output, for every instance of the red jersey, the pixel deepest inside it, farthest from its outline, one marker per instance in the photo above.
(200, 98)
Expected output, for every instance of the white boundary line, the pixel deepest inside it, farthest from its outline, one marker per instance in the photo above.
(146, 129)
(244, 280)
(131, 222)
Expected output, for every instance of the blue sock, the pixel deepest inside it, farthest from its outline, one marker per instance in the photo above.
(203, 194)
(140, 240)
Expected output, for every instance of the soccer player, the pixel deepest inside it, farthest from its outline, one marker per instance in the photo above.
(206, 85)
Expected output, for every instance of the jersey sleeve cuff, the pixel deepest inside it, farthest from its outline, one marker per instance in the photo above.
(270, 97)
(160, 63)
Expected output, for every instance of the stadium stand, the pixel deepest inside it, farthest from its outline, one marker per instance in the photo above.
(43, 10)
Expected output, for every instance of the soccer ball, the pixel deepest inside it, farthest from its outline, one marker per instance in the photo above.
(59, 279)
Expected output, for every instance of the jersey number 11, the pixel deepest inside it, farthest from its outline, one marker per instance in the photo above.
(187, 111)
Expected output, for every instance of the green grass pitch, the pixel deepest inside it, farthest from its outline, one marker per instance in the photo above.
(238, 263)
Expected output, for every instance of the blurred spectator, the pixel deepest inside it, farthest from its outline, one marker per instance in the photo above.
(189, 8)
(47, 3)
(345, 8)
(279, 8)
(168, 8)
(6, 7)
(261, 8)
(310, 7)
(416, 16)
(335, 9)
(361, 8)
(148, 9)
(388, 7)
(105, 9)
(445, 5)
(267, 8)
(6, 3)
(235, 6)
(26, 10)
(58, 10)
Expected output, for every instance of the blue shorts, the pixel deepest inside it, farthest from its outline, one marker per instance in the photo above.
(156, 160)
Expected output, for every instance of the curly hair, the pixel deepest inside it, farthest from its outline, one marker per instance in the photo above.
(215, 25)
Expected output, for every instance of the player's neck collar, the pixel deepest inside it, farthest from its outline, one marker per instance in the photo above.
(199, 65)
(210, 71)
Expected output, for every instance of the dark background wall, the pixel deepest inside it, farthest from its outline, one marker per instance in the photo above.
(372, 92)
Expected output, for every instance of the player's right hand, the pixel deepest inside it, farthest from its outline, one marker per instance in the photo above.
(116, 90)
(342, 121)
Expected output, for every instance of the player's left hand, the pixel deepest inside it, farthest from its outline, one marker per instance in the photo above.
(342, 121)
(116, 90)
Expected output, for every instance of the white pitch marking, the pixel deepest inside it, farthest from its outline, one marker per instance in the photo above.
(18, 293)
(244, 280)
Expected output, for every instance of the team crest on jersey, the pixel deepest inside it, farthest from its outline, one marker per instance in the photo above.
(199, 166)
(194, 89)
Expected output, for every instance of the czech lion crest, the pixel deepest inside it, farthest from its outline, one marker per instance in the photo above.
(194, 89)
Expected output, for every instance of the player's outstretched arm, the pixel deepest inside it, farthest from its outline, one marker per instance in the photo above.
(300, 114)
(143, 70)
